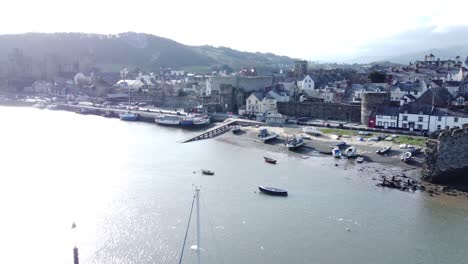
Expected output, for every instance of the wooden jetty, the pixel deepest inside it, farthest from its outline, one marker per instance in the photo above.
(221, 128)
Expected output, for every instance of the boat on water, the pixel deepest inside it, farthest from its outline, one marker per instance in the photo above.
(52, 107)
(336, 152)
(40, 105)
(167, 120)
(406, 157)
(311, 131)
(383, 150)
(128, 116)
(294, 142)
(201, 121)
(186, 121)
(207, 172)
(269, 160)
(236, 129)
(273, 191)
(266, 136)
(360, 159)
(350, 152)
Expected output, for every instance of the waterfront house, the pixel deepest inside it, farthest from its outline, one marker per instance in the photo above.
(259, 102)
(387, 117)
(443, 118)
(414, 117)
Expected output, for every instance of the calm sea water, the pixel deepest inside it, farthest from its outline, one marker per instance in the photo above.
(129, 187)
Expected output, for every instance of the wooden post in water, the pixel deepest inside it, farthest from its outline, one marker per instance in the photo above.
(76, 259)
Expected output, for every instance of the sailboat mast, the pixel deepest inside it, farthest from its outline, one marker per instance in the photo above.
(197, 190)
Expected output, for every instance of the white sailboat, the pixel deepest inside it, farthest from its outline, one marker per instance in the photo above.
(196, 198)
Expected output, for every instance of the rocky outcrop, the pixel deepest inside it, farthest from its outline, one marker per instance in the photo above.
(446, 158)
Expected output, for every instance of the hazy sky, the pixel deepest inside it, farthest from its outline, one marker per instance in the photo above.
(316, 30)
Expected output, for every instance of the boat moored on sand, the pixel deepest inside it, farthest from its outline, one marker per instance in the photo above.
(294, 142)
(336, 152)
(406, 157)
(350, 152)
(383, 150)
(266, 136)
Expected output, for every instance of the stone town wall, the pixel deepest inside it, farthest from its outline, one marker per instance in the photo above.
(320, 110)
(446, 157)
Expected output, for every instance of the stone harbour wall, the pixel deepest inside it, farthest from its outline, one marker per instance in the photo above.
(446, 158)
(320, 110)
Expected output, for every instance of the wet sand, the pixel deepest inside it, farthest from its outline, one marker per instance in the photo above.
(375, 167)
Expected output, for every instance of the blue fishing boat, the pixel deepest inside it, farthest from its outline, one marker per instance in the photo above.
(128, 116)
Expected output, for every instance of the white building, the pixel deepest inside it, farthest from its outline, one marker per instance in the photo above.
(307, 84)
(414, 117)
(442, 118)
(133, 85)
(387, 118)
(257, 102)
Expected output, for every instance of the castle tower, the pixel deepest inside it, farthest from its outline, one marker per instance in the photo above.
(370, 101)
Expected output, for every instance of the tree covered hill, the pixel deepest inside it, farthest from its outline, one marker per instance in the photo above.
(113, 52)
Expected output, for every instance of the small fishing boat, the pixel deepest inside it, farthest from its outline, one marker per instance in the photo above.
(339, 144)
(167, 120)
(360, 159)
(312, 131)
(336, 152)
(236, 129)
(269, 160)
(273, 191)
(201, 121)
(294, 143)
(383, 150)
(350, 152)
(186, 121)
(52, 107)
(415, 151)
(266, 136)
(40, 105)
(128, 116)
(207, 172)
(406, 157)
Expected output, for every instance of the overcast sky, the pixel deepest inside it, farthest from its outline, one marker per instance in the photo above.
(314, 30)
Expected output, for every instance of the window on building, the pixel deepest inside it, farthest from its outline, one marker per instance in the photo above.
(379, 123)
(393, 117)
(392, 124)
(447, 127)
(455, 119)
(439, 118)
(420, 127)
(250, 102)
(310, 86)
(420, 118)
(405, 125)
(415, 92)
(438, 127)
(405, 118)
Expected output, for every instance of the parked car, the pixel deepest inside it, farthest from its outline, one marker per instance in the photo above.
(373, 139)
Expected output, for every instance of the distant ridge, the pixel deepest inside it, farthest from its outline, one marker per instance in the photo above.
(113, 52)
